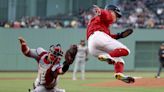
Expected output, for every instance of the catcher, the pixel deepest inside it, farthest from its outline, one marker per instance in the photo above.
(49, 66)
(103, 44)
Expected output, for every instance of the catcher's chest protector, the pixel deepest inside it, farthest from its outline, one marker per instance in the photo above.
(47, 72)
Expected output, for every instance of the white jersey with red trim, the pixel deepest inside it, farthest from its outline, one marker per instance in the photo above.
(47, 72)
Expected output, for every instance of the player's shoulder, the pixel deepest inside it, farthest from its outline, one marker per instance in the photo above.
(39, 50)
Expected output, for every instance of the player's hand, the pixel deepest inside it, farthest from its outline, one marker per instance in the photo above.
(70, 54)
(22, 40)
(125, 33)
(96, 10)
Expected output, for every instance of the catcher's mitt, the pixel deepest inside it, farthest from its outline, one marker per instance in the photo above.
(70, 54)
(125, 33)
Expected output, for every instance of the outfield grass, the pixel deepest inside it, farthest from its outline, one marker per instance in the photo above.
(20, 82)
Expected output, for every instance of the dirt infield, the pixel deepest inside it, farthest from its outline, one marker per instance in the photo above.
(143, 82)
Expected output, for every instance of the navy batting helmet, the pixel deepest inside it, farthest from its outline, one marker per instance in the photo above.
(115, 9)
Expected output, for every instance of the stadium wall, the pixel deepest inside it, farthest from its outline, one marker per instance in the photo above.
(11, 58)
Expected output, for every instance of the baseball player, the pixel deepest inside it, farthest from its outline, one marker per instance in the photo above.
(80, 60)
(161, 60)
(103, 44)
(49, 66)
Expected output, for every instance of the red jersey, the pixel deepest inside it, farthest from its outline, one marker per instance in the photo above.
(100, 23)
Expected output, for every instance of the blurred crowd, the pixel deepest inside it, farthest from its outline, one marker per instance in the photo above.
(141, 14)
(136, 14)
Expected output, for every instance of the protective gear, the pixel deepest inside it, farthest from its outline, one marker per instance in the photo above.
(65, 67)
(70, 54)
(115, 9)
(56, 50)
(125, 33)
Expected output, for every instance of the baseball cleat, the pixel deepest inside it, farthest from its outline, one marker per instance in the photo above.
(126, 79)
(106, 59)
(157, 76)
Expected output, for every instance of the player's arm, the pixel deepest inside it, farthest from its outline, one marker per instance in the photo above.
(24, 47)
(115, 36)
(65, 67)
(69, 58)
(60, 70)
(123, 34)
(105, 15)
(34, 53)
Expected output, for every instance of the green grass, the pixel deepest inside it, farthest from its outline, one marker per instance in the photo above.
(20, 82)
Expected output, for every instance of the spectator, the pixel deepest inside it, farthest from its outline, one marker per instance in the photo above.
(16, 24)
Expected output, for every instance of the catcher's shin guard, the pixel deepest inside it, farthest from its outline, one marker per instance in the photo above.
(126, 79)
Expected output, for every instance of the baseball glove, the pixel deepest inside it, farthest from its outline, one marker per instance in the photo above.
(125, 33)
(70, 54)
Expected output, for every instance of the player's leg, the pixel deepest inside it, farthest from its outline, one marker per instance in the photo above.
(58, 90)
(101, 55)
(76, 65)
(103, 42)
(119, 69)
(109, 49)
(115, 48)
(40, 88)
(95, 47)
(82, 68)
(159, 71)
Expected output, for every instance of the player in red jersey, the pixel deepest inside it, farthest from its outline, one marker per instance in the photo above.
(103, 44)
(49, 66)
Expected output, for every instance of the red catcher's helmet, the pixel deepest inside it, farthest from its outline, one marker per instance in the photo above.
(56, 50)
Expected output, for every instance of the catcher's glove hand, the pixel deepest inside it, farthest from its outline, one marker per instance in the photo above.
(70, 54)
(125, 33)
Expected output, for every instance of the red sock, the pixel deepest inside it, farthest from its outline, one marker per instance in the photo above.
(119, 67)
(119, 52)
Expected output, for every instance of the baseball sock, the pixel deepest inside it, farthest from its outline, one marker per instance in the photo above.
(118, 67)
(119, 52)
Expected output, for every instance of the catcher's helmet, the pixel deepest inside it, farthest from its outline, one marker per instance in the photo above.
(56, 50)
(115, 9)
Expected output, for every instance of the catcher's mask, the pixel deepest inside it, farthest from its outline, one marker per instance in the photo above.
(115, 9)
(56, 50)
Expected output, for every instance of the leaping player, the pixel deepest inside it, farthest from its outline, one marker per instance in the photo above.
(103, 44)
